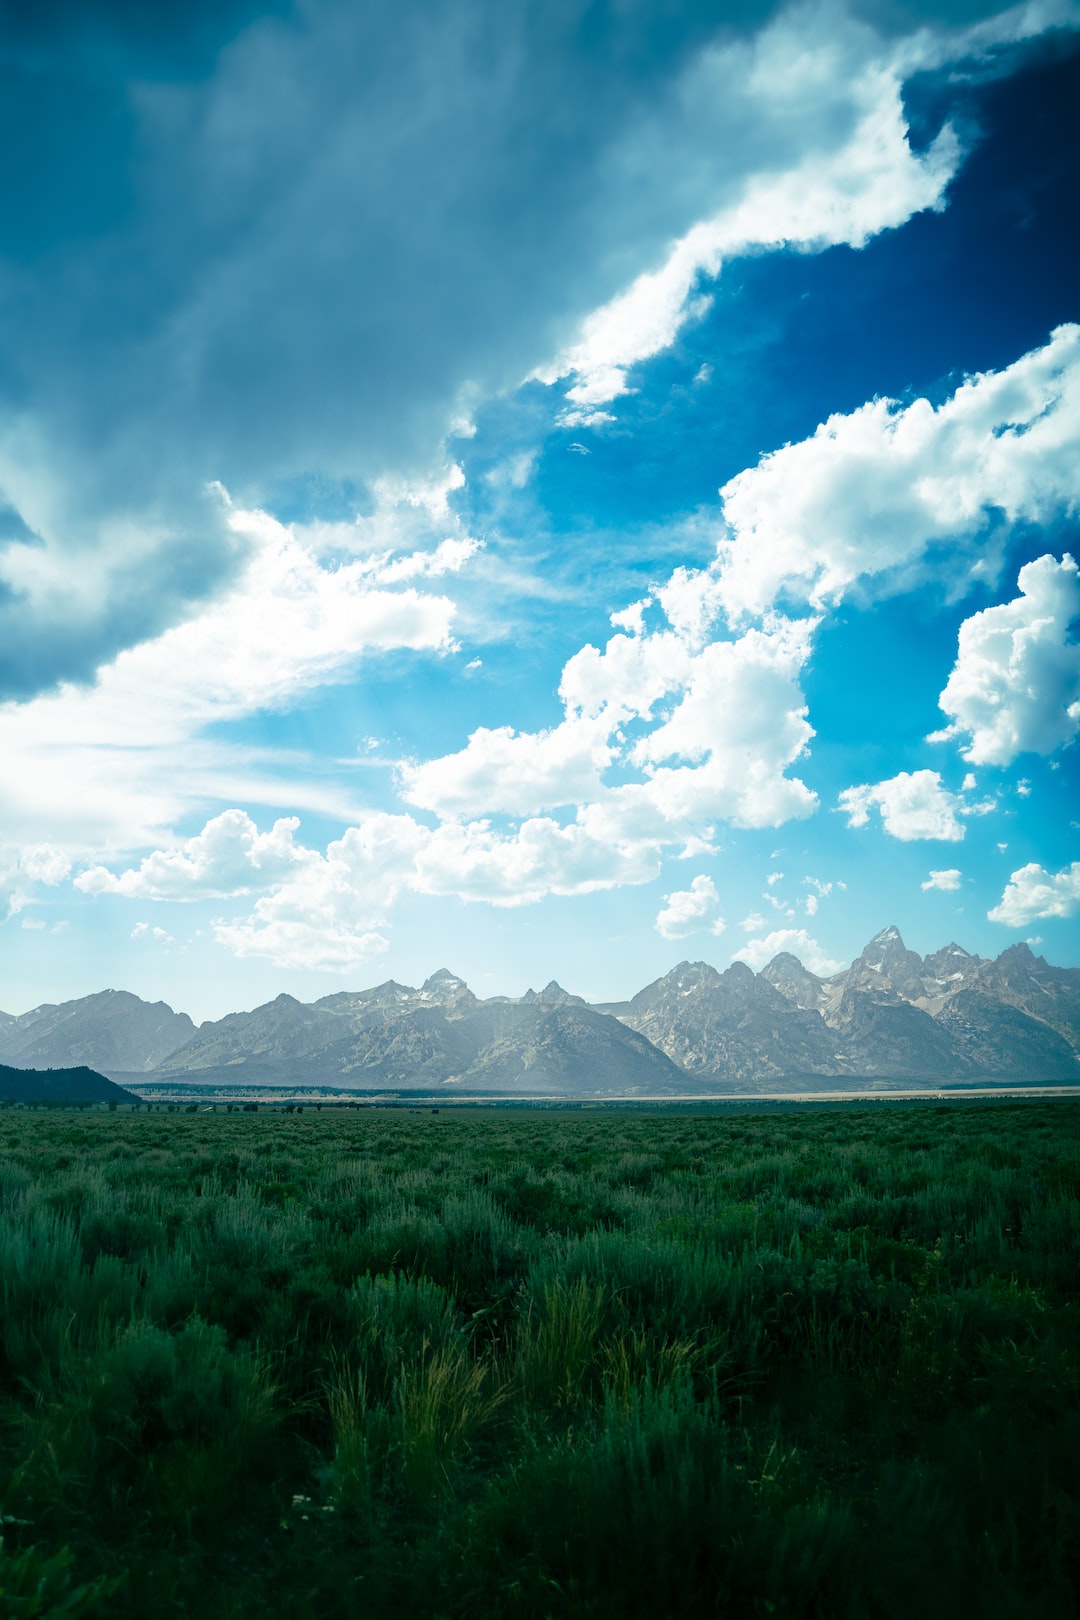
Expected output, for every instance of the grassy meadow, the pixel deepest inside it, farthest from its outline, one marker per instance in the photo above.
(541, 1364)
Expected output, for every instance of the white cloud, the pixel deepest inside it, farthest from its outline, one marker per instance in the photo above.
(281, 346)
(26, 869)
(448, 557)
(1032, 892)
(819, 891)
(632, 618)
(32, 922)
(501, 771)
(328, 911)
(687, 911)
(743, 717)
(229, 856)
(913, 804)
(949, 878)
(734, 721)
(632, 674)
(41, 863)
(870, 492)
(1015, 687)
(829, 163)
(757, 952)
(540, 857)
(288, 625)
(335, 946)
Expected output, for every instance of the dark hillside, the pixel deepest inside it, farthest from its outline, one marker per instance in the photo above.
(60, 1085)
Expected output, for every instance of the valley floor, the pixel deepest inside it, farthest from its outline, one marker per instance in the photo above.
(531, 1363)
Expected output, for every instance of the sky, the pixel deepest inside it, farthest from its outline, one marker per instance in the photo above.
(548, 490)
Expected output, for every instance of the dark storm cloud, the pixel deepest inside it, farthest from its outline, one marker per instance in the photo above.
(251, 247)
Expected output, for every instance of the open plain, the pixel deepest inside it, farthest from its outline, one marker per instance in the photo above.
(552, 1363)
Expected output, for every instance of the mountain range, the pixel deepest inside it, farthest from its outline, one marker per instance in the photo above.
(892, 1016)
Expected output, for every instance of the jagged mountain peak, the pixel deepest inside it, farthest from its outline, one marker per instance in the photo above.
(446, 989)
(887, 946)
(951, 965)
(686, 979)
(345, 1001)
(689, 975)
(784, 960)
(552, 995)
(794, 981)
(887, 964)
(739, 973)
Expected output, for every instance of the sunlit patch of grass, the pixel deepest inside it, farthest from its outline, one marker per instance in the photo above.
(557, 1347)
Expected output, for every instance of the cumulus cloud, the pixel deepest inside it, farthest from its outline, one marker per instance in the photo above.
(949, 878)
(1015, 687)
(540, 857)
(25, 870)
(229, 856)
(757, 952)
(662, 736)
(862, 501)
(502, 771)
(329, 910)
(1032, 892)
(913, 804)
(687, 911)
(866, 496)
(41, 863)
(329, 914)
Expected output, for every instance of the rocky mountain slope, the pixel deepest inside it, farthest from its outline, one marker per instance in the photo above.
(394, 1036)
(892, 1016)
(734, 1025)
(949, 1013)
(111, 1031)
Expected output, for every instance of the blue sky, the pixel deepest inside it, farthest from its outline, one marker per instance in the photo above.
(546, 490)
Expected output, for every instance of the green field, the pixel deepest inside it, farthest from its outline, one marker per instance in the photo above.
(559, 1364)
